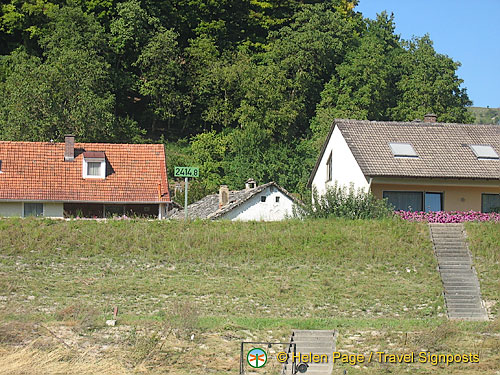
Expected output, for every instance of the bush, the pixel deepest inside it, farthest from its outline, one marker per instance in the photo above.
(344, 202)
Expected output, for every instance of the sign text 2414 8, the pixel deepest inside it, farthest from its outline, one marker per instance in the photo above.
(186, 172)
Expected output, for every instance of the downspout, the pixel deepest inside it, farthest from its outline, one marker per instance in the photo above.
(370, 185)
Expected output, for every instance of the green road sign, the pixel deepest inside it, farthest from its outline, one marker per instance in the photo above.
(186, 172)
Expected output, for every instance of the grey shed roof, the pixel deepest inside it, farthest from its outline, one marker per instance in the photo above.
(208, 207)
(443, 149)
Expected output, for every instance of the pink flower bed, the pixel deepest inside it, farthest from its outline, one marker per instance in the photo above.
(448, 217)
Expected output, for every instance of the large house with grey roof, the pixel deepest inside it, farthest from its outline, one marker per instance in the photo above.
(417, 166)
(267, 202)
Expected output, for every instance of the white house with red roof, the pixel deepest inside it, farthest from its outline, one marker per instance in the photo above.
(83, 179)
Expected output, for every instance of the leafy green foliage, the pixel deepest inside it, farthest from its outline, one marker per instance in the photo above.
(485, 115)
(428, 84)
(254, 85)
(339, 201)
(67, 90)
(161, 72)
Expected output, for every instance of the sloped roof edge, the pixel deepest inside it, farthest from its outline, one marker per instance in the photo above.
(231, 206)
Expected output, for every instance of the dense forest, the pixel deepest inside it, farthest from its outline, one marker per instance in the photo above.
(240, 88)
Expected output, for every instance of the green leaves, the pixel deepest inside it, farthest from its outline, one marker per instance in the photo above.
(428, 83)
(254, 84)
(68, 91)
(161, 73)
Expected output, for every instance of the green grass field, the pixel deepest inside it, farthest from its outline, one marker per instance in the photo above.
(223, 282)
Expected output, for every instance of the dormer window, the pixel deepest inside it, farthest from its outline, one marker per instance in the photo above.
(94, 164)
(484, 152)
(403, 150)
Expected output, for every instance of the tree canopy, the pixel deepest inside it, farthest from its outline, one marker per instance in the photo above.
(241, 88)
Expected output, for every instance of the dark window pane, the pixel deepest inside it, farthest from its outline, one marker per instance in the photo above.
(111, 210)
(33, 209)
(93, 169)
(405, 200)
(491, 203)
(433, 202)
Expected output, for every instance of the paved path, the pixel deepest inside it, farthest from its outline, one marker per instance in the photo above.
(462, 293)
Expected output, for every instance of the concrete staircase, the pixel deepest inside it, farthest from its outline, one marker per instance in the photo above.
(315, 342)
(462, 293)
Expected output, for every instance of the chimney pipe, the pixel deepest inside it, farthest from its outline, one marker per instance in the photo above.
(250, 184)
(430, 118)
(69, 147)
(223, 195)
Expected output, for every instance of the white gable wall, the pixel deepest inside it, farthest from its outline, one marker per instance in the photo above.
(346, 170)
(270, 210)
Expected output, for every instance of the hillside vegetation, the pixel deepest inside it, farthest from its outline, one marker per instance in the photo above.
(238, 88)
(373, 280)
(484, 115)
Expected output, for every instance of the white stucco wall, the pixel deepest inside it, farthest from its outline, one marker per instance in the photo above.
(11, 209)
(346, 170)
(270, 210)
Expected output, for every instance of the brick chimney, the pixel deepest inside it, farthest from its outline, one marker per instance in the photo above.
(430, 118)
(69, 147)
(223, 195)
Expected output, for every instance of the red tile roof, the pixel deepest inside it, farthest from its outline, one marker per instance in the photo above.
(37, 171)
(94, 155)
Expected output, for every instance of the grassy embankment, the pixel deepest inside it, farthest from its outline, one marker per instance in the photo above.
(374, 281)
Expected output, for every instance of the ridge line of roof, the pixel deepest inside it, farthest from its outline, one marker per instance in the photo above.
(81, 143)
(406, 123)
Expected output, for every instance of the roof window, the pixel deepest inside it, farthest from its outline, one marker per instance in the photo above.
(484, 151)
(403, 150)
(94, 164)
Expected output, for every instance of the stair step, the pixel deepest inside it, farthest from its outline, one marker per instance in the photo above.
(463, 304)
(464, 291)
(454, 262)
(462, 298)
(467, 312)
(305, 341)
(452, 306)
(467, 272)
(458, 284)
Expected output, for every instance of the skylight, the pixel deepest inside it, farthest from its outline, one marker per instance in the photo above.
(484, 151)
(403, 150)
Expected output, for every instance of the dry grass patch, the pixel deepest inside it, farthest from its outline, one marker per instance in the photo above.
(60, 361)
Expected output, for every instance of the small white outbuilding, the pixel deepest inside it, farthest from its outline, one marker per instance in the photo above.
(268, 202)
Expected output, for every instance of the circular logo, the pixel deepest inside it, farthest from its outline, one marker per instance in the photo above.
(256, 358)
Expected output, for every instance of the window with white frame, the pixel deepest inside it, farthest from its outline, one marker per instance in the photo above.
(94, 167)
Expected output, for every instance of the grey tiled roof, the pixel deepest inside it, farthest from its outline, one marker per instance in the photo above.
(443, 149)
(208, 207)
